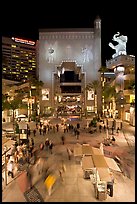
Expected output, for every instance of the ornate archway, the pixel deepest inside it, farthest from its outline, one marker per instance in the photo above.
(69, 85)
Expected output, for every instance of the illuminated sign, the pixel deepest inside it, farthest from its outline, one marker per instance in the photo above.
(132, 98)
(45, 94)
(91, 95)
(29, 42)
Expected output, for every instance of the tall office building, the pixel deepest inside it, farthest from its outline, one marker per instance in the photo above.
(18, 59)
(69, 59)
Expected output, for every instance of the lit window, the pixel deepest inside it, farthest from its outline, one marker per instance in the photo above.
(13, 46)
(90, 108)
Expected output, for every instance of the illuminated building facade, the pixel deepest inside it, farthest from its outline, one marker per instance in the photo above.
(124, 69)
(69, 59)
(18, 59)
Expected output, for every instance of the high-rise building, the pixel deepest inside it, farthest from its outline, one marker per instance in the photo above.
(69, 59)
(18, 59)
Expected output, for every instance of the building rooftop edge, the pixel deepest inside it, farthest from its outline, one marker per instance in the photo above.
(66, 30)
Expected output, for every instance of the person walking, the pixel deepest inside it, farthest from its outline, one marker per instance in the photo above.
(104, 128)
(34, 132)
(57, 126)
(69, 153)
(29, 176)
(40, 131)
(32, 142)
(47, 143)
(49, 182)
(63, 139)
(41, 146)
(10, 167)
(50, 146)
(77, 134)
(100, 127)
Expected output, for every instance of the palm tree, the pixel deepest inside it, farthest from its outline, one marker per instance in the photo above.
(12, 103)
(102, 70)
(35, 89)
(110, 95)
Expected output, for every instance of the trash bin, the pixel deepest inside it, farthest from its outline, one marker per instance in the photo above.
(110, 189)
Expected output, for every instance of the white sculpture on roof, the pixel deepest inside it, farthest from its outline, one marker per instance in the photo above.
(121, 46)
(87, 53)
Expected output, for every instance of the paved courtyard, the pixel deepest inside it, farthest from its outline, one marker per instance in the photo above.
(74, 188)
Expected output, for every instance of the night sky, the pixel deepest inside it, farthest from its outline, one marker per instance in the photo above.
(25, 20)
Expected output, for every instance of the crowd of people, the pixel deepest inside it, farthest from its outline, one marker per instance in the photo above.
(18, 154)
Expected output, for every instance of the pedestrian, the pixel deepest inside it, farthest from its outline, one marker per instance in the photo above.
(28, 131)
(50, 146)
(113, 140)
(100, 127)
(47, 143)
(77, 134)
(101, 148)
(78, 125)
(5, 148)
(34, 132)
(60, 174)
(32, 142)
(40, 125)
(10, 167)
(37, 126)
(44, 130)
(49, 182)
(39, 165)
(118, 130)
(75, 131)
(69, 153)
(63, 139)
(40, 130)
(29, 176)
(57, 126)
(112, 130)
(41, 146)
(53, 128)
(16, 144)
(104, 128)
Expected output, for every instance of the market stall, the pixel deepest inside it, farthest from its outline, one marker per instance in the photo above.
(87, 166)
(87, 149)
(99, 161)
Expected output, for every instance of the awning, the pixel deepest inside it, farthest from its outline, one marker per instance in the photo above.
(87, 163)
(78, 151)
(87, 149)
(112, 164)
(99, 161)
(96, 151)
(104, 174)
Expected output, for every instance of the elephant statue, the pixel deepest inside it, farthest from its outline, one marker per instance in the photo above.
(120, 48)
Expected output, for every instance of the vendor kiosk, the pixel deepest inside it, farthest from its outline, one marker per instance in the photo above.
(95, 167)
(87, 166)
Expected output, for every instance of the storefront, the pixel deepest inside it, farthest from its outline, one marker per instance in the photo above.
(132, 116)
